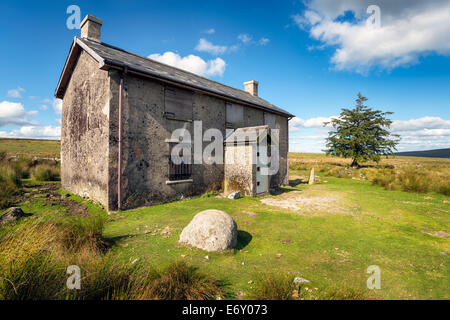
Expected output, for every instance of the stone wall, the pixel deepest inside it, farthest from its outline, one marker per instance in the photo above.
(89, 147)
(84, 131)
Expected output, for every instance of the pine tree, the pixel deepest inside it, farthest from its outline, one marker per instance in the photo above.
(361, 134)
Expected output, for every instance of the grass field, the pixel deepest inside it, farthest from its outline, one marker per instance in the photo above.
(31, 147)
(328, 233)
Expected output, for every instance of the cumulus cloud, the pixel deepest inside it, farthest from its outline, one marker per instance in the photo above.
(416, 134)
(206, 46)
(12, 113)
(263, 41)
(409, 29)
(57, 105)
(16, 93)
(244, 38)
(192, 63)
(42, 132)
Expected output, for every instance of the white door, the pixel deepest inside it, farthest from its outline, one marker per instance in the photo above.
(262, 178)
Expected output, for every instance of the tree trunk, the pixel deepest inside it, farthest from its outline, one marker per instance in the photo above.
(354, 164)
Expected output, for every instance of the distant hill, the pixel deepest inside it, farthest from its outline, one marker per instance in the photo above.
(438, 153)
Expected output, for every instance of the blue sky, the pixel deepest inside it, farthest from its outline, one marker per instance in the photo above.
(310, 58)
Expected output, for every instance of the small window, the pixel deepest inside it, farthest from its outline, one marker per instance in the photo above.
(179, 171)
(235, 116)
(178, 104)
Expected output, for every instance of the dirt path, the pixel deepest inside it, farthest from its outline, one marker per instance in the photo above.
(315, 200)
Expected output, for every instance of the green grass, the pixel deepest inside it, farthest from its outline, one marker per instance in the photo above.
(331, 250)
(31, 147)
(389, 228)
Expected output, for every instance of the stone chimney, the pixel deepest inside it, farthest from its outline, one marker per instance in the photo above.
(251, 87)
(90, 28)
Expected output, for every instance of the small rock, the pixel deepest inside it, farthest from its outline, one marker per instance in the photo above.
(12, 214)
(64, 196)
(298, 280)
(250, 282)
(285, 241)
(183, 256)
(207, 257)
(234, 195)
(295, 294)
(278, 255)
(134, 261)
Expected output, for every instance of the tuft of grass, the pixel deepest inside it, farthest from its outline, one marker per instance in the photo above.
(10, 184)
(45, 172)
(34, 259)
(181, 282)
(274, 287)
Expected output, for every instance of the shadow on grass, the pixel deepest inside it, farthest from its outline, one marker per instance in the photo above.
(243, 239)
(112, 241)
(281, 190)
(296, 182)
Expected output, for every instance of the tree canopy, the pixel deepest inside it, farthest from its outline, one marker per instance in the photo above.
(361, 134)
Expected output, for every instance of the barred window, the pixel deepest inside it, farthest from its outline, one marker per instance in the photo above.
(179, 171)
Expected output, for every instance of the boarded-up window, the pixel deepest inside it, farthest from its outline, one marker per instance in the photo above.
(178, 103)
(269, 119)
(235, 116)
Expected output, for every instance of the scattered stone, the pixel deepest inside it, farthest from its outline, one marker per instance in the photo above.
(285, 241)
(299, 280)
(183, 256)
(444, 253)
(207, 257)
(278, 255)
(295, 294)
(234, 195)
(210, 230)
(134, 261)
(250, 282)
(12, 214)
(251, 214)
(65, 196)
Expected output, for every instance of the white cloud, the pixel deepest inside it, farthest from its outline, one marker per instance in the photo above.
(12, 113)
(416, 134)
(57, 105)
(421, 123)
(206, 46)
(210, 31)
(409, 29)
(264, 41)
(192, 63)
(44, 132)
(16, 93)
(244, 38)
(44, 107)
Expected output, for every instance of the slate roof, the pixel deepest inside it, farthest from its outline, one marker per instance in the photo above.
(109, 56)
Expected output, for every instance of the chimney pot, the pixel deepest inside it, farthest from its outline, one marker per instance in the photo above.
(251, 87)
(90, 28)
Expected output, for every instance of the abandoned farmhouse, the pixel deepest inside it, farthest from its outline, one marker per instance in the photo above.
(119, 112)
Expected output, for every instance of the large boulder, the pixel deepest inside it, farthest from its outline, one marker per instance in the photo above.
(12, 214)
(210, 230)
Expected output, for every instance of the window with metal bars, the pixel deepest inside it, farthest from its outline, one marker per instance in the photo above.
(182, 171)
